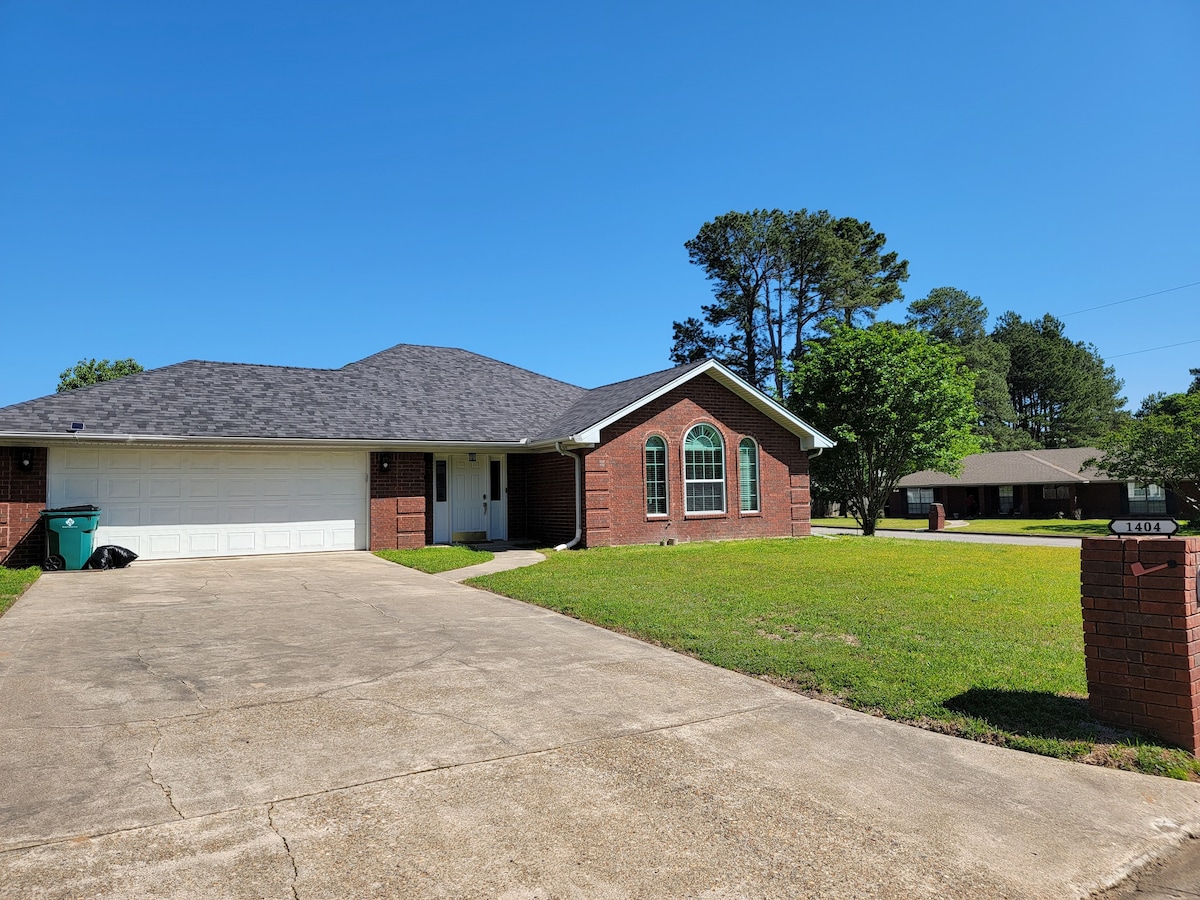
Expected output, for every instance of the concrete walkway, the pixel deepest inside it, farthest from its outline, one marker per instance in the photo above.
(1027, 540)
(333, 725)
(502, 561)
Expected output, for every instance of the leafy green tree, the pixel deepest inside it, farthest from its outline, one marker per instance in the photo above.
(89, 371)
(1062, 392)
(1159, 445)
(895, 402)
(778, 278)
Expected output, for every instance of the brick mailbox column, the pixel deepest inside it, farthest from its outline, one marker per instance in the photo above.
(937, 517)
(1142, 634)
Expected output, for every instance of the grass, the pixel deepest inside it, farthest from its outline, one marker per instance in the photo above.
(13, 583)
(1068, 527)
(980, 641)
(437, 559)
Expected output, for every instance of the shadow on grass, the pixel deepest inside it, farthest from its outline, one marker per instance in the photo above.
(1037, 714)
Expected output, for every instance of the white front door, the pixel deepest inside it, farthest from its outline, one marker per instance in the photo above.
(468, 497)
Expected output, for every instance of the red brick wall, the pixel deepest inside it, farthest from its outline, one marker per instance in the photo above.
(22, 497)
(615, 484)
(541, 497)
(401, 502)
(1142, 635)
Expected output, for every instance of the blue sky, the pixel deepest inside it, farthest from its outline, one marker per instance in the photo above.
(308, 183)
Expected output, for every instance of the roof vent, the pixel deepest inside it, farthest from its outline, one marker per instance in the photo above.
(77, 426)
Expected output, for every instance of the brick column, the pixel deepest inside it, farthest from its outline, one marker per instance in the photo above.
(937, 517)
(22, 498)
(399, 516)
(1142, 634)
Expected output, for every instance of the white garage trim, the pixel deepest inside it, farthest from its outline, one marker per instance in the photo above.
(170, 504)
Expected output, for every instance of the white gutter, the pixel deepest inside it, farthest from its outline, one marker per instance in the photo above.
(578, 502)
(20, 438)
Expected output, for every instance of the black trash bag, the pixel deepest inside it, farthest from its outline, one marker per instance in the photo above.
(110, 556)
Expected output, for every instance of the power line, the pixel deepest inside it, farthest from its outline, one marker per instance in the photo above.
(1130, 300)
(1152, 349)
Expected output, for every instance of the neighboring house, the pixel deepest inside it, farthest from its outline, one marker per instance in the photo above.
(412, 446)
(1037, 483)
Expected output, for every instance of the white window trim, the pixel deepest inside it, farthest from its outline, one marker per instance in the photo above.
(666, 479)
(722, 481)
(757, 477)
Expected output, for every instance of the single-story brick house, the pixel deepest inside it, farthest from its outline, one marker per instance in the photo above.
(1037, 483)
(414, 445)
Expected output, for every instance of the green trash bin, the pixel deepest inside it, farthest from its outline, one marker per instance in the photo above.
(69, 532)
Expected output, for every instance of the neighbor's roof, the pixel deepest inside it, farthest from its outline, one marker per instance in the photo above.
(408, 393)
(1016, 467)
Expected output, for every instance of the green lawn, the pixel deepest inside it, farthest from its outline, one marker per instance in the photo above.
(13, 583)
(1069, 527)
(980, 641)
(437, 559)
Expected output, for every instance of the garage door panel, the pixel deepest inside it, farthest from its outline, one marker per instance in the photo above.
(277, 487)
(78, 459)
(123, 459)
(124, 488)
(239, 487)
(204, 488)
(166, 487)
(240, 513)
(240, 542)
(120, 516)
(204, 543)
(168, 503)
(202, 515)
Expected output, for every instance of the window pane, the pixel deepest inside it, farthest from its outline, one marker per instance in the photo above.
(748, 475)
(656, 477)
(704, 470)
(439, 481)
(919, 501)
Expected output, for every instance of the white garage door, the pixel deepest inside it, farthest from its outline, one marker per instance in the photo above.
(166, 504)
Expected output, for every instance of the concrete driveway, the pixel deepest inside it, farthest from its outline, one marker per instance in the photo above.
(331, 726)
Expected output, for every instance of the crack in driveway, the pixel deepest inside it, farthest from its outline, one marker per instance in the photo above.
(162, 785)
(286, 847)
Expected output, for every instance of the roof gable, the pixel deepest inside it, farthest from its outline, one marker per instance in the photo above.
(603, 406)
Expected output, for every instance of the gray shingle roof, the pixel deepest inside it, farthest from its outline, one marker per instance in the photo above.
(599, 403)
(1016, 467)
(409, 392)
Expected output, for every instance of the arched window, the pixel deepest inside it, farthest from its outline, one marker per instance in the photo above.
(704, 470)
(748, 474)
(656, 476)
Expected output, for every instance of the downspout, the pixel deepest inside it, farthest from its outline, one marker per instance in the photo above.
(578, 511)
(814, 454)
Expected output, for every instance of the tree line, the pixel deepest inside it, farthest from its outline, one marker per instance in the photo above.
(782, 282)
(795, 297)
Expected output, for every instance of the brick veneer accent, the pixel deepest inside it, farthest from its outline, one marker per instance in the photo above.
(22, 498)
(1142, 635)
(615, 483)
(401, 501)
